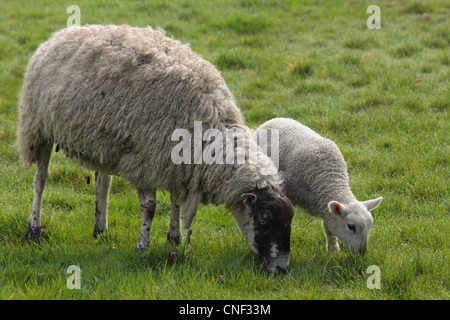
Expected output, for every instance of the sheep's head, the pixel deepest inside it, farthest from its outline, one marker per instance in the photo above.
(264, 217)
(352, 222)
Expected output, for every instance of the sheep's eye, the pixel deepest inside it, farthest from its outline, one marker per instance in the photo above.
(351, 226)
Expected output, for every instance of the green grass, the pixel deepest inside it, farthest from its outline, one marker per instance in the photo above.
(381, 95)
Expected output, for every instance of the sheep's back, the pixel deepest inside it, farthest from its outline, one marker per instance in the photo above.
(105, 92)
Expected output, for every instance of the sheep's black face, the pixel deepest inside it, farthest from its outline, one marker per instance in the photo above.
(267, 226)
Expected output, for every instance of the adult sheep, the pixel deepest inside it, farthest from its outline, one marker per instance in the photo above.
(315, 178)
(111, 97)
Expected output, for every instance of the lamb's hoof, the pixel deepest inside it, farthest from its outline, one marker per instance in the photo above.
(333, 250)
(174, 239)
(34, 234)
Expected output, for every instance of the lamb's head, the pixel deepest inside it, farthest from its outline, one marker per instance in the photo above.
(264, 217)
(352, 222)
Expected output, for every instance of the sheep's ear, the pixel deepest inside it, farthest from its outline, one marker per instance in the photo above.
(336, 208)
(283, 177)
(248, 199)
(372, 204)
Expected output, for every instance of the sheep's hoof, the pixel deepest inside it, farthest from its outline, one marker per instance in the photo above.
(172, 256)
(98, 231)
(34, 233)
(174, 238)
(189, 250)
(140, 246)
(188, 241)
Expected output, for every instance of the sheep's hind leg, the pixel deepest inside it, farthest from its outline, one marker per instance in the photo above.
(40, 179)
(174, 234)
(147, 200)
(188, 214)
(102, 184)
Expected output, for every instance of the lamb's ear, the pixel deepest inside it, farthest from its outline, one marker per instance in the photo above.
(283, 177)
(372, 204)
(248, 199)
(336, 208)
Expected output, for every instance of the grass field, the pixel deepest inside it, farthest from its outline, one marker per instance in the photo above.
(381, 95)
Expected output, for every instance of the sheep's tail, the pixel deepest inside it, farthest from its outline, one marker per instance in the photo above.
(29, 137)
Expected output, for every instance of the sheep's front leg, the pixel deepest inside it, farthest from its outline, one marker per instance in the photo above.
(40, 179)
(147, 200)
(102, 184)
(332, 240)
(174, 234)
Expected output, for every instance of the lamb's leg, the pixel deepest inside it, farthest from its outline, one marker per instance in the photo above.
(40, 178)
(332, 241)
(102, 184)
(147, 200)
(174, 234)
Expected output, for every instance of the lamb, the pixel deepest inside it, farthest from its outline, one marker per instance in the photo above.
(111, 97)
(315, 177)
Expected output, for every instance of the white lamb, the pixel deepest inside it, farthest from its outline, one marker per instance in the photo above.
(315, 178)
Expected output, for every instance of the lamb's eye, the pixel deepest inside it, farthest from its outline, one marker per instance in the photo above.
(351, 226)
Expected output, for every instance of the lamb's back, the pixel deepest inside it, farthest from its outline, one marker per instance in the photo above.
(315, 169)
